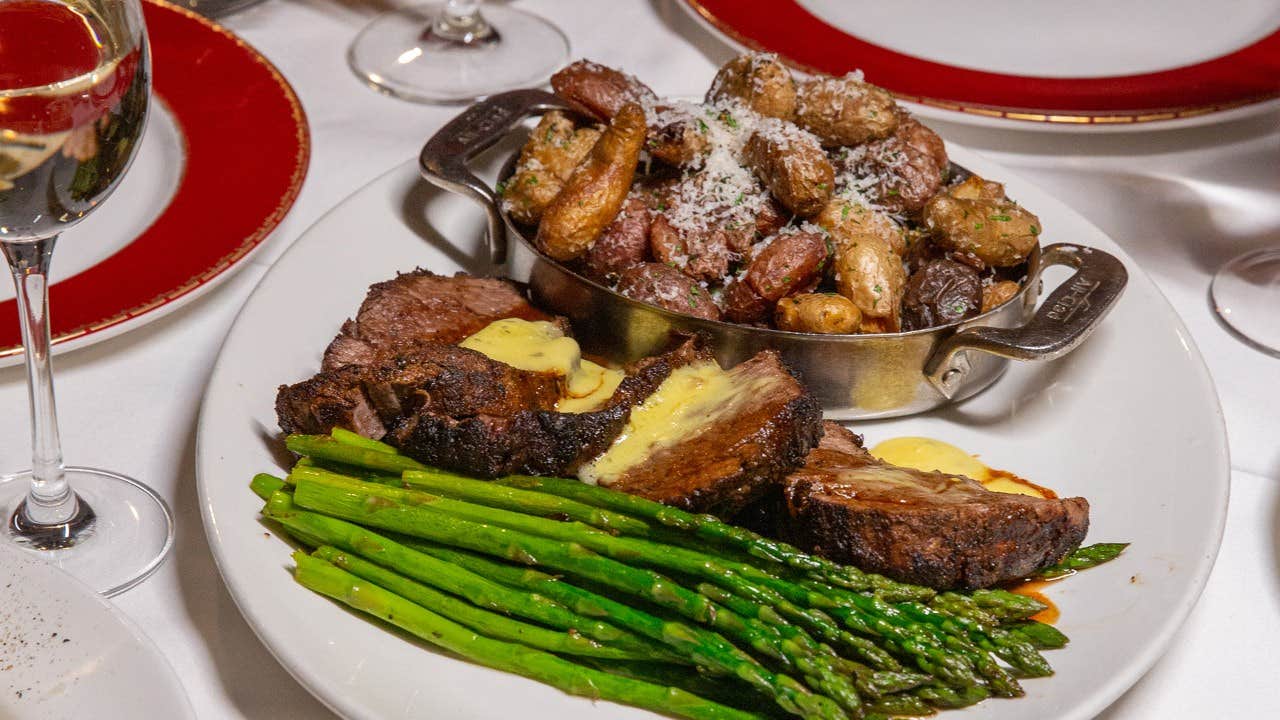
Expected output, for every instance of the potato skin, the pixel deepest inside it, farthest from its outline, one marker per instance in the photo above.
(702, 254)
(624, 242)
(912, 164)
(667, 287)
(847, 221)
(760, 82)
(869, 273)
(742, 304)
(594, 193)
(825, 313)
(553, 150)
(789, 263)
(677, 141)
(597, 90)
(976, 217)
(792, 165)
(942, 292)
(845, 111)
(997, 294)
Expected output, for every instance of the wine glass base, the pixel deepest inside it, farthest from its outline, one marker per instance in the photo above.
(1246, 295)
(127, 538)
(394, 54)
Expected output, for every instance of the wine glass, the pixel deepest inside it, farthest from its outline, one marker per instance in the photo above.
(1246, 295)
(75, 80)
(450, 52)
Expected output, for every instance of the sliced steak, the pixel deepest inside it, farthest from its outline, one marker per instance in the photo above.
(428, 378)
(742, 447)
(533, 441)
(928, 528)
(421, 306)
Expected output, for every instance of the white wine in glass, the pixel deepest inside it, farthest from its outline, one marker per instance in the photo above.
(75, 82)
(452, 51)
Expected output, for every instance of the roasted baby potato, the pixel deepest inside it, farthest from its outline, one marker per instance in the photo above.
(792, 165)
(942, 292)
(742, 304)
(701, 254)
(667, 287)
(599, 91)
(997, 294)
(547, 159)
(826, 313)
(845, 110)
(976, 217)
(848, 220)
(676, 137)
(910, 164)
(595, 191)
(869, 273)
(625, 242)
(789, 262)
(760, 82)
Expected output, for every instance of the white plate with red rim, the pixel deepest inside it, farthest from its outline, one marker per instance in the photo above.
(66, 652)
(1130, 420)
(1094, 65)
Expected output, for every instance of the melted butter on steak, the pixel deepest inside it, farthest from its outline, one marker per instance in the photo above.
(540, 346)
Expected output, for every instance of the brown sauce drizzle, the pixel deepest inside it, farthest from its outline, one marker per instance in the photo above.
(1035, 589)
(993, 474)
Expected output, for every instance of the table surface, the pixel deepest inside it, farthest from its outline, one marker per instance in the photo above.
(1180, 201)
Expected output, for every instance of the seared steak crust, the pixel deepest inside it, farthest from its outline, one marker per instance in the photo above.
(533, 441)
(421, 306)
(428, 378)
(927, 528)
(734, 459)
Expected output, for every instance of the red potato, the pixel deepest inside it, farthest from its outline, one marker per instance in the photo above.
(668, 288)
(787, 264)
(625, 242)
(599, 91)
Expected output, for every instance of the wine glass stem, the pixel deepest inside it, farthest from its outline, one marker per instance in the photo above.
(460, 22)
(50, 500)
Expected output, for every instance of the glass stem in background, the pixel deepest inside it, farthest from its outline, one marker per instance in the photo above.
(50, 500)
(461, 23)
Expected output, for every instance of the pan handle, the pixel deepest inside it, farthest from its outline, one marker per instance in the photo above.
(1063, 321)
(443, 161)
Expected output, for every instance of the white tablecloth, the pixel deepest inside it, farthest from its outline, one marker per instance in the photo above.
(1181, 201)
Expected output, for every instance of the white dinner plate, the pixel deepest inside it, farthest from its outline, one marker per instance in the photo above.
(1130, 421)
(66, 653)
(1090, 65)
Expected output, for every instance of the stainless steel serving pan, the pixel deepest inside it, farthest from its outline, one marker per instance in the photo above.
(855, 376)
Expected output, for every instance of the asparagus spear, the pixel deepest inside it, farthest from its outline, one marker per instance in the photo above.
(419, 509)
(704, 648)
(324, 447)
(712, 529)
(347, 437)
(341, 499)
(490, 624)
(321, 530)
(572, 678)
(1084, 558)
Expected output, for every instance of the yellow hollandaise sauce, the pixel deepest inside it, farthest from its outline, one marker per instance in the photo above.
(540, 346)
(690, 399)
(928, 454)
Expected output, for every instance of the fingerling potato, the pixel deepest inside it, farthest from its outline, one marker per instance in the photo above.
(759, 82)
(825, 313)
(845, 110)
(547, 159)
(791, 163)
(595, 191)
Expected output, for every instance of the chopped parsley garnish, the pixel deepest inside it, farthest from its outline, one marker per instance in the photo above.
(844, 212)
(531, 180)
(702, 126)
(500, 188)
(1000, 218)
(977, 226)
(1034, 231)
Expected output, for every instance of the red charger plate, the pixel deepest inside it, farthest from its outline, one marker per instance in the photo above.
(247, 150)
(1248, 76)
